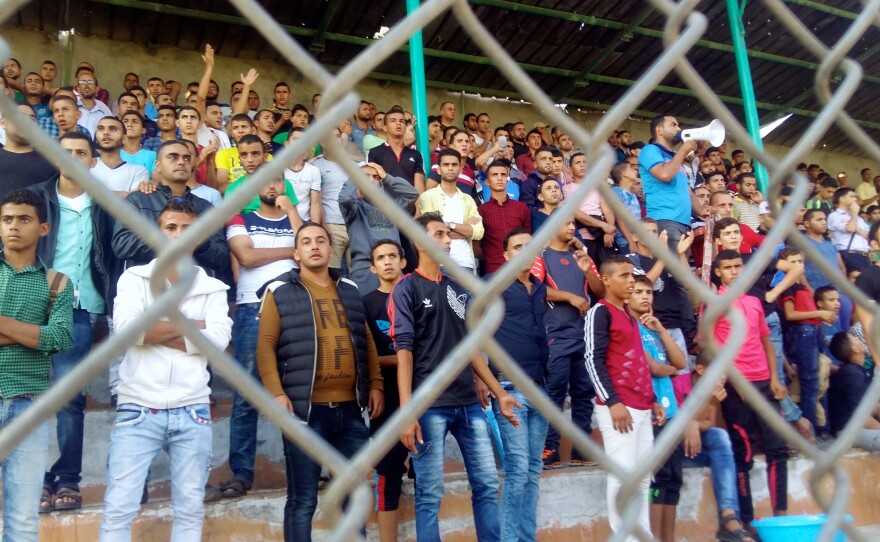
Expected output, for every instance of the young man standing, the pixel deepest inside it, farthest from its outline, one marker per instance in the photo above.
(132, 151)
(320, 365)
(361, 128)
(92, 109)
(387, 263)
(549, 198)
(523, 336)
(815, 228)
(395, 157)
(164, 395)
(623, 175)
(306, 181)
(20, 164)
(528, 191)
(458, 209)
(166, 121)
(747, 201)
(113, 172)
(65, 116)
(501, 215)
(35, 326)
(427, 311)
(527, 163)
(570, 274)
(33, 95)
(625, 403)
(78, 246)
(848, 230)
(866, 191)
(262, 243)
(756, 361)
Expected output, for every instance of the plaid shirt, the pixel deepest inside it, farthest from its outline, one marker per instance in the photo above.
(498, 220)
(25, 371)
(48, 125)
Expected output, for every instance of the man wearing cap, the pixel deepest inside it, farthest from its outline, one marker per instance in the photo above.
(665, 180)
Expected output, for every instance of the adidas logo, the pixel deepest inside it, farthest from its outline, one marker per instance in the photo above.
(411, 159)
(427, 303)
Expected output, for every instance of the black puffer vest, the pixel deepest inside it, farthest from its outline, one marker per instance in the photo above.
(297, 349)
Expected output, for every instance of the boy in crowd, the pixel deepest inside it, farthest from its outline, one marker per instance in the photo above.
(827, 298)
(163, 394)
(756, 361)
(36, 322)
(625, 403)
(387, 263)
(802, 337)
(665, 359)
(848, 385)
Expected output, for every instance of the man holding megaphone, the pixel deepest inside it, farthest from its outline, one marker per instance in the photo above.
(668, 195)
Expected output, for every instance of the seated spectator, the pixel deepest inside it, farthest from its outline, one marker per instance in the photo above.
(847, 388)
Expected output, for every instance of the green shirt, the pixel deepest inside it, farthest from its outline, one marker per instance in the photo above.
(24, 296)
(254, 204)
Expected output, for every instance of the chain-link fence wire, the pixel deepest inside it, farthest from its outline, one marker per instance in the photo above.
(683, 28)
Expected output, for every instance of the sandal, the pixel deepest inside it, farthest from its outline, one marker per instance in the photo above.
(68, 492)
(738, 535)
(237, 487)
(47, 500)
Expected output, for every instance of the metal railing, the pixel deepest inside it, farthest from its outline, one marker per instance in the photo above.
(683, 28)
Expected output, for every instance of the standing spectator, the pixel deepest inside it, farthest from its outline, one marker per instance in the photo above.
(570, 274)
(527, 163)
(164, 395)
(815, 228)
(528, 192)
(132, 151)
(361, 125)
(746, 203)
(92, 109)
(866, 190)
(501, 215)
(166, 123)
(427, 311)
(367, 225)
(869, 279)
(665, 181)
(65, 116)
(33, 93)
(228, 161)
(722, 204)
(548, 199)
(522, 335)
(849, 231)
(447, 113)
(387, 263)
(623, 175)
(624, 394)
(20, 164)
(594, 218)
(824, 198)
(36, 322)
(333, 179)
(458, 210)
(846, 389)
(262, 244)
(394, 156)
(296, 350)
(756, 361)
(78, 246)
(113, 172)
(306, 181)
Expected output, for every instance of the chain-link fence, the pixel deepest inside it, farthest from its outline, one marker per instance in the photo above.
(683, 28)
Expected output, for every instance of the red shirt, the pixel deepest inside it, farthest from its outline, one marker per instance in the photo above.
(803, 302)
(498, 220)
(525, 163)
(751, 360)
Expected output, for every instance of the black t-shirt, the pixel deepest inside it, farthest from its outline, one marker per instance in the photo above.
(20, 170)
(869, 282)
(846, 388)
(405, 166)
(761, 286)
(519, 149)
(376, 304)
(671, 303)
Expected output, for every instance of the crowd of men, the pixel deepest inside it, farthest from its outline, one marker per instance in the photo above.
(342, 318)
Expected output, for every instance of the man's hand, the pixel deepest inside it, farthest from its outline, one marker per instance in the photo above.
(779, 390)
(210, 149)
(412, 435)
(148, 187)
(380, 171)
(659, 414)
(720, 392)
(608, 239)
(284, 402)
(581, 304)
(249, 78)
(482, 393)
(651, 322)
(208, 57)
(583, 260)
(283, 202)
(621, 420)
(685, 242)
(756, 196)
(506, 403)
(828, 317)
(688, 147)
(286, 114)
(854, 208)
(663, 238)
(692, 442)
(376, 404)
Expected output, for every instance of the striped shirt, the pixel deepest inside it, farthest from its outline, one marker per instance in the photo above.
(747, 212)
(25, 297)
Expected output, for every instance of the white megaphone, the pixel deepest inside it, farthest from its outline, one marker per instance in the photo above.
(713, 133)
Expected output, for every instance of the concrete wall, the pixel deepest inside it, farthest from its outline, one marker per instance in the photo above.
(113, 59)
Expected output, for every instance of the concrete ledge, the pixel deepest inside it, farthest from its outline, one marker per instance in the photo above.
(571, 508)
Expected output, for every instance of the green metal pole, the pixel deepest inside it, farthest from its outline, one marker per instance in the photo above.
(737, 34)
(420, 97)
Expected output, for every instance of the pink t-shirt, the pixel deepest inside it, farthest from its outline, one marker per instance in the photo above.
(751, 359)
(591, 204)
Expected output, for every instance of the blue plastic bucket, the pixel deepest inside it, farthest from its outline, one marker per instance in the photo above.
(795, 528)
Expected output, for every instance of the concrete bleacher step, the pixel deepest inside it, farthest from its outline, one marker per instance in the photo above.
(571, 508)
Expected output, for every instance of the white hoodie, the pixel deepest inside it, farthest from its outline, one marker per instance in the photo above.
(158, 376)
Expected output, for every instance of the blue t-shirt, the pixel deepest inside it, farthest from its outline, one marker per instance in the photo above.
(512, 189)
(631, 201)
(144, 158)
(663, 389)
(664, 201)
(563, 321)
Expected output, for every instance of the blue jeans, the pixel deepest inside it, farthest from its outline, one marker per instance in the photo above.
(804, 342)
(343, 428)
(244, 418)
(717, 454)
(139, 433)
(471, 430)
(790, 410)
(22, 482)
(523, 447)
(69, 420)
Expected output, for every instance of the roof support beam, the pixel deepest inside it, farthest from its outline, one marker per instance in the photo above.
(319, 41)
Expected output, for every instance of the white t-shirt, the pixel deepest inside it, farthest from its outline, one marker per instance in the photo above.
(303, 182)
(124, 178)
(264, 233)
(211, 195)
(837, 222)
(459, 249)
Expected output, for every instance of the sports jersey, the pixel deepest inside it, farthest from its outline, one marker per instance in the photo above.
(264, 233)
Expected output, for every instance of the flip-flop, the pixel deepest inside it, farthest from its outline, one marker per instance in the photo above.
(47, 500)
(68, 492)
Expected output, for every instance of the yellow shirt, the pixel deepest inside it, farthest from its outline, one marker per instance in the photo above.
(866, 191)
(228, 159)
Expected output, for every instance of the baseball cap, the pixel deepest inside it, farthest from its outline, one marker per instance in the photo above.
(541, 125)
(764, 208)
